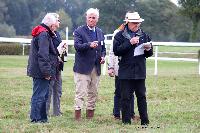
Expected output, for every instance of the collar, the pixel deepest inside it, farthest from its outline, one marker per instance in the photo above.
(94, 29)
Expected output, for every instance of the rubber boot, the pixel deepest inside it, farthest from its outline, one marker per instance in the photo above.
(77, 115)
(89, 114)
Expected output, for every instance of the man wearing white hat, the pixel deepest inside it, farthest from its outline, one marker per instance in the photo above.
(134, 46)
(113, 72)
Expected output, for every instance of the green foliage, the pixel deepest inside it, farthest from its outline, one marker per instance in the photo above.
(7, 31)
(162, 20)
(10, 49)
(112, 13)
(191, 9)
(3, 11)
(13, 49)
(65, 22)
(19, 12)
(173, 101)
(76, 9)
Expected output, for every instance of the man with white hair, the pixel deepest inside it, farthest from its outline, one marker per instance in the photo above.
(55, 88)
(134, 46)
(42, 65)
(90, 52)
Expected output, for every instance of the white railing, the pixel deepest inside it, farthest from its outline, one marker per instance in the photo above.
(173, 44)
(24, 42)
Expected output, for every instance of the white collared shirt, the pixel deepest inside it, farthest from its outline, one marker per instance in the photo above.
(91, 28)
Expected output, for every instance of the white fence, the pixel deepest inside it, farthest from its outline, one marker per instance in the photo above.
(173, 44)
(24, 42)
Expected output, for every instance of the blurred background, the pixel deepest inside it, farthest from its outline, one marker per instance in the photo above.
(164, 20)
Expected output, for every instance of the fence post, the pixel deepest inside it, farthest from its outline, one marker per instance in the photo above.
(104, 66)
(67, 38)
(23, 49)
(199, 60)
(105, 63)
(156, 61)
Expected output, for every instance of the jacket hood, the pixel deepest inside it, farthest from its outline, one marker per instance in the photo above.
(37, 30)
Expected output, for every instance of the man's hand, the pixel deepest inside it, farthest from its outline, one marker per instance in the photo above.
(134, 40)
(94, 44)
(102, 60)
(147, 46)
(111, 72)
(62, 48)
(48, 78)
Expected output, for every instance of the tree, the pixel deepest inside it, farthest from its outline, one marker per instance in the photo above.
(112, 13)
(20, 16)
(65, 22)
(191, 9)
(3, 11)
(162, 20)
(76, 9)
(7, 31)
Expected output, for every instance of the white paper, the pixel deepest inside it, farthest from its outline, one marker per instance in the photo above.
(62, 48)
(139, 50)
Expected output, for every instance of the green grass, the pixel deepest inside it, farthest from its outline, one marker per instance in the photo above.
(173, 101)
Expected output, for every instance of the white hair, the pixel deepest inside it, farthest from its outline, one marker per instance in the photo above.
(93, 10)
(50, 18)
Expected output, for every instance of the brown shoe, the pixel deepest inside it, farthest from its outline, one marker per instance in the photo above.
(117, 118)
(77, 115)
(89, 114)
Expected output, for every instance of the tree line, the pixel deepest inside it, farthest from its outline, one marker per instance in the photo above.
(164, 21)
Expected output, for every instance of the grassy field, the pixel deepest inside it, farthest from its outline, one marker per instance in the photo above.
(173, 101)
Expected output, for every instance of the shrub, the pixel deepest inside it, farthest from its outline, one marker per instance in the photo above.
(17, 49)
(13, 49)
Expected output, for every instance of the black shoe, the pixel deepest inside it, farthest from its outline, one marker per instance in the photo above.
(144, 122)
(39, 121)
(126, 122)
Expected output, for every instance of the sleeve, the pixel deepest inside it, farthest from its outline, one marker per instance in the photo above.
(149, 52)
(119, 46)
(103, 50)
(43, 55)
(111, 56)
(78, 42)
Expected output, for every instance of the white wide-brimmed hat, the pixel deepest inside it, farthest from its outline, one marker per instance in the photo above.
(133, 17)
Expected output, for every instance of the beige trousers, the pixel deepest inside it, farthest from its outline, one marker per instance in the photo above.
(86, 87)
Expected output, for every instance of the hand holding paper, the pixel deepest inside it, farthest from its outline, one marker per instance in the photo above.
(62, 48)
(147, 46)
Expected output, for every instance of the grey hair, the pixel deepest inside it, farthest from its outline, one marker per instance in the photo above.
(50, 18)
(93, 10)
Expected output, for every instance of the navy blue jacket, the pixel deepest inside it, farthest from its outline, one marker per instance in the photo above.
(86, 57)
(43, 58)
(56, 41)
(130, 66)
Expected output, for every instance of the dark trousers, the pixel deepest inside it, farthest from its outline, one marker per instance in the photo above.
(128, 87)
(38, 100)
(55, 93)
(117, 100)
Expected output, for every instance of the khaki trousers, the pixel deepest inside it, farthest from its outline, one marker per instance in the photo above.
(86, 87)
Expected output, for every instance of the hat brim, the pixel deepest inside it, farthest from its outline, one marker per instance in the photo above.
(137, 21)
